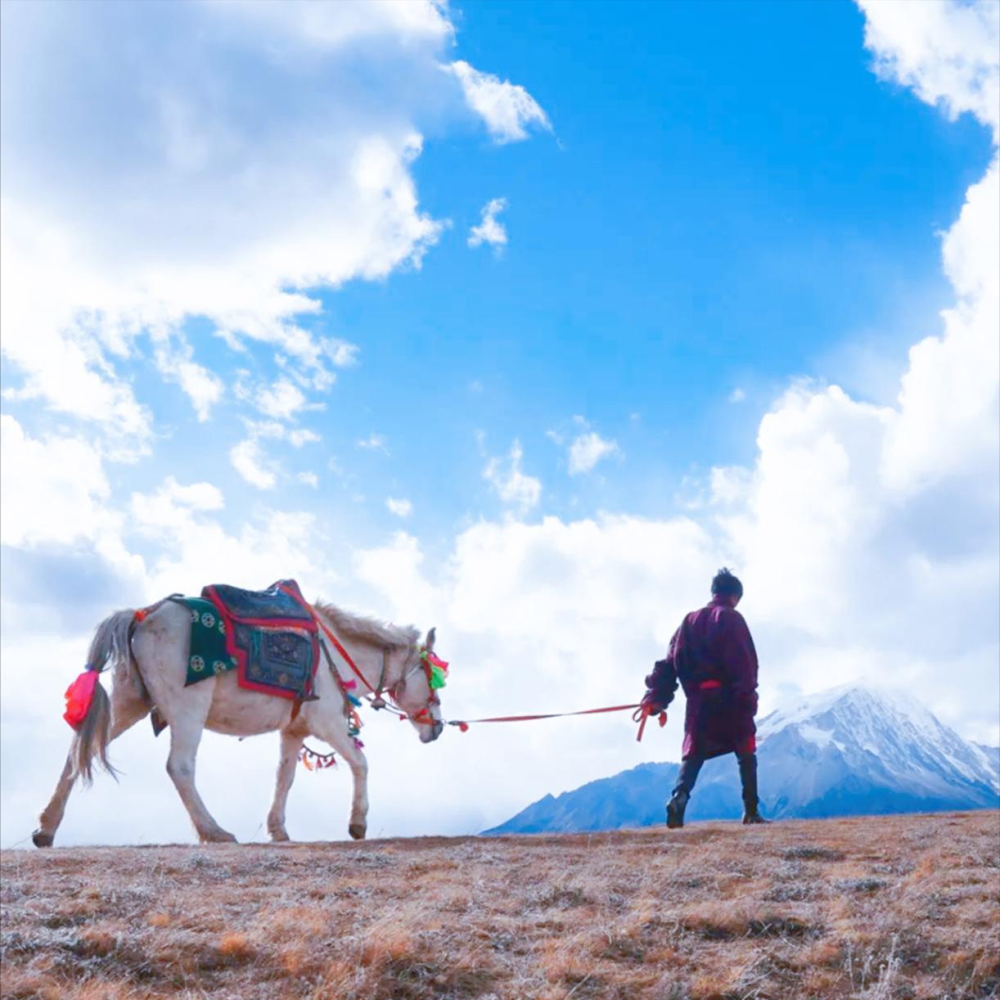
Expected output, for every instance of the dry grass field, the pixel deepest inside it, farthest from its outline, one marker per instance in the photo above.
(901, 907)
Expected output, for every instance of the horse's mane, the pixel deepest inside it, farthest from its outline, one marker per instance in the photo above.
(366, 629)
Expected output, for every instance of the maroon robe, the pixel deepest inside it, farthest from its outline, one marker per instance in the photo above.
(713, 657)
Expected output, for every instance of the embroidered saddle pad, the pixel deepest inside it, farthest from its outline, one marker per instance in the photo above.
(269, 637)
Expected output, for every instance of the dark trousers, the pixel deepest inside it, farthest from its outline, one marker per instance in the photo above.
(748, 777)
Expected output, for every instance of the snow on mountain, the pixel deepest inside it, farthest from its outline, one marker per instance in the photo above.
(846, 751)
(874, 729)
(991, 756)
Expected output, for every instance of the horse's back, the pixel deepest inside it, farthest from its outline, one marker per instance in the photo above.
(162, 645)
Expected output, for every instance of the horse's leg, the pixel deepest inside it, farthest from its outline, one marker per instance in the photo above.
(52, 814)
(126, 710)
(290, 747)
(358, 826)
(185, 735)
(332, 729)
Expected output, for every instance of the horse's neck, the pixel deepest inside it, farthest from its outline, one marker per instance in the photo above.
(367, 659)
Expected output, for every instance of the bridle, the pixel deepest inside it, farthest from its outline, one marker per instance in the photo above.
(375, 696)
(424, 663)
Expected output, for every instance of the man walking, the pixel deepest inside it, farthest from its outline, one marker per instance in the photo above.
(713, 657)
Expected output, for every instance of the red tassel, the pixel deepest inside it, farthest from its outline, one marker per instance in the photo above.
(78, 696)
(463, 727)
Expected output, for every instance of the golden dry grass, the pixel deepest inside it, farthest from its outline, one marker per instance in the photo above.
(874, 909)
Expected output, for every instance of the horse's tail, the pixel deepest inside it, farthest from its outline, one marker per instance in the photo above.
(111, 644)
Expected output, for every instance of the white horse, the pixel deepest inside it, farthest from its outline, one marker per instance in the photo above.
(149, 660)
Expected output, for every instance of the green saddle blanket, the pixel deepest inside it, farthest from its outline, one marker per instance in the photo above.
(208, 655)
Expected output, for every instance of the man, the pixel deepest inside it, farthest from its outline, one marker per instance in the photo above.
(713, 657)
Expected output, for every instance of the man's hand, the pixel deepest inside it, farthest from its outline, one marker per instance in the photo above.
(651, 705)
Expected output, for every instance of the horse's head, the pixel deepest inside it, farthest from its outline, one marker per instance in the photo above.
(417, 691)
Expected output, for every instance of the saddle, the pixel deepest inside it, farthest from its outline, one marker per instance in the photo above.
(268, 636)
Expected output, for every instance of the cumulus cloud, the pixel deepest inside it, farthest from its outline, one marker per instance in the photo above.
(175, 363)
(156, 195)
(301, 436)
(400, 507)
(249, 461)
(508, 109)
(172, 504)
(490, 230)
(944, 51)
(282, 400)
(510, 483)
(586, 450)
(65, 501)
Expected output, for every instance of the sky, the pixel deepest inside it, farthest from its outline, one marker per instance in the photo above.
(516, 319)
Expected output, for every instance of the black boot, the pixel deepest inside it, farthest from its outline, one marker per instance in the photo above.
(686, 778)
(675, 810)
(748, 778)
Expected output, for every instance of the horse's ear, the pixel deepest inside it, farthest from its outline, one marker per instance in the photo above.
(429, 641)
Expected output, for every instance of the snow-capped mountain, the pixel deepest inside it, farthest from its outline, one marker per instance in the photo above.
(850, 750)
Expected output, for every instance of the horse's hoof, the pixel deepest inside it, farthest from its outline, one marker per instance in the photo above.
(218, 837)
(279, 836)
(357, 831)
(41, 839)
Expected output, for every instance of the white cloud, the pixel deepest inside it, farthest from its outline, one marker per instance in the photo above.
(282, 400)
(374, 442)
(946, 52)
(330, 27)
(401, 507)
(249, 461)
(297, 438)
(175, 363)
(53, 498)
(508, 109)
(341, 353)
(586, 450)
(737, 395)
(67, 491)
(197, 209)
(490, 230)
(172, 505)
(309, 479)
(512, 485)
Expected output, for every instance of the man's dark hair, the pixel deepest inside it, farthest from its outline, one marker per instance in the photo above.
(725, 584)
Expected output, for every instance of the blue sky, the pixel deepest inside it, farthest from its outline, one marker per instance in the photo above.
(725, 228)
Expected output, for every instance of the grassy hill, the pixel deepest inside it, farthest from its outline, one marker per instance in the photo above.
(882, 908)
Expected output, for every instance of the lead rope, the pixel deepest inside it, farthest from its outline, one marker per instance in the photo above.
(642, 713)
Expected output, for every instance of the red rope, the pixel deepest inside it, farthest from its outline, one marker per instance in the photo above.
(464, 724)
(642, 711)
(340, 649)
